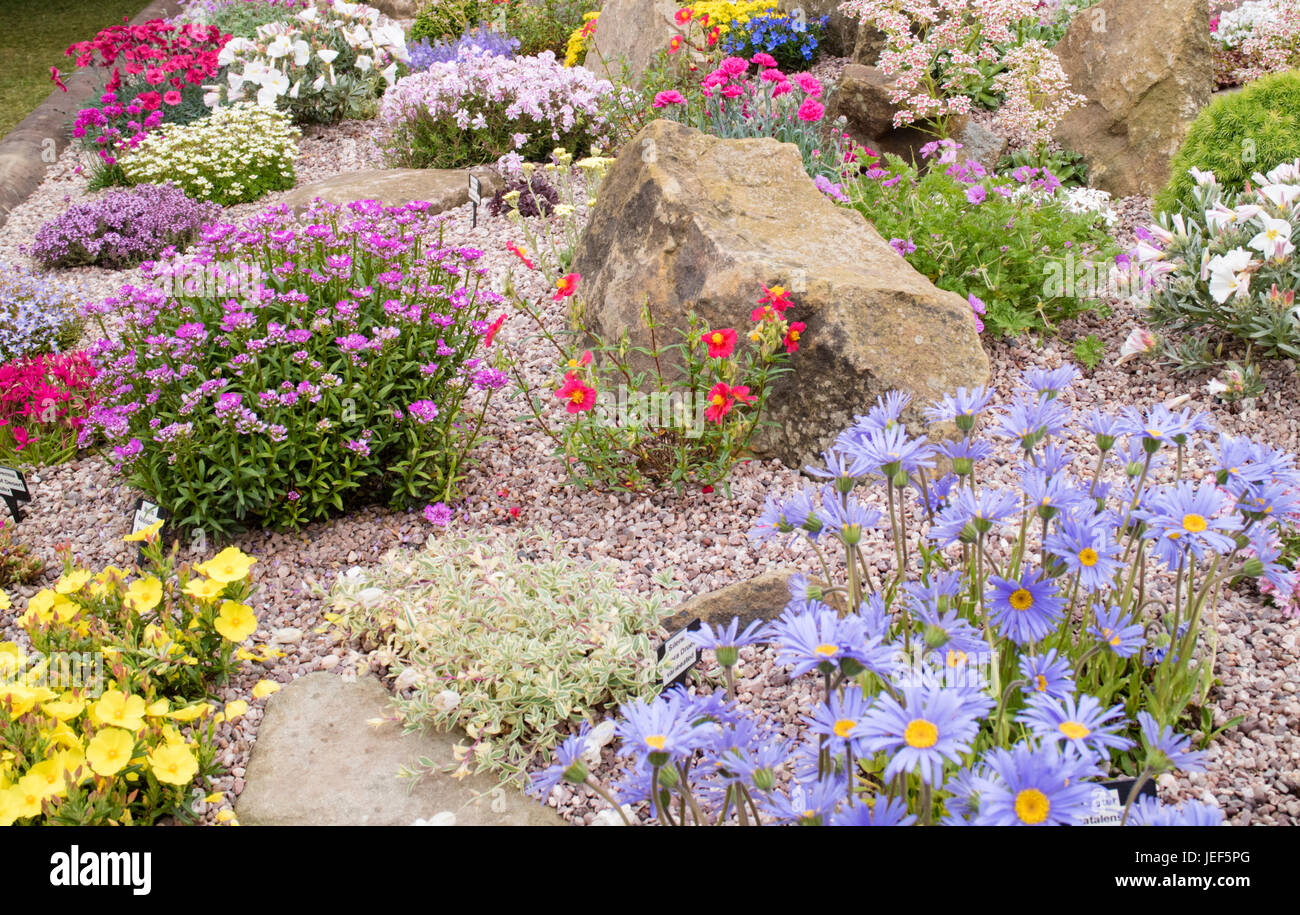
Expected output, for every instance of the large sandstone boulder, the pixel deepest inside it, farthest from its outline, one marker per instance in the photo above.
(1146, 70)
(444, 188)
(685, 219)
(629, 32)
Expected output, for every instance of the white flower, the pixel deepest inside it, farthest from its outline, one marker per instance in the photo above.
(1224, 284)
(293, 93)
(1139, 341)
(1204, 179)
(281, 46)
(1280, 195)
(301, 53)
(327, 55)
(318, 83)
(364, 62)
(390, 73)
(1274, 239)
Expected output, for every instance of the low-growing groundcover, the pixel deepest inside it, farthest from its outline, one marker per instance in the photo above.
(1025, 641)
(334, 377)
(503, 636)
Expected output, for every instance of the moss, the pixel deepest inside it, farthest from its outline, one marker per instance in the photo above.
(1237, 135)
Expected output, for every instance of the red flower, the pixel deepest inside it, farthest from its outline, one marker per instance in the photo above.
(514, 511)
(742, 395)
(492, 331)
(792, 336)
(153, 76)
(720, 402)
(580, 397)
(519, 253)
(714, 34)
(777, 296)
(589, 29)
(720, 342)
(683, 15)
(172, 98)
(150, 100)
(585, 359)
(674, 44)
(58, 80)
(565, 286)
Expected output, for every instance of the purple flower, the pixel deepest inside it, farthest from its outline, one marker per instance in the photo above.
(438, 514)
(976, 194)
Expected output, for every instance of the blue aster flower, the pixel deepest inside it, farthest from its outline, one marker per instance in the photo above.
(839, 718)
(1106, 428)
(875, 616)
(1050, 383)
(1080, 723)
(808, 803)
(1183, 517)
(884, 415)
(1118, 631)
(934, 497)
(1048, 493)
(1028, 787)
(799, 512)
(1267, 501)
(842, 469)
(886, 811)
(726, 643)
(1024, 611)
(1028, 421)
(568, 765)
(962, 408)
(1056, 458)
(1048, 674)
(1148, 811)
(1238, 464)
(931, 727)
(888, 452)
(965, 786)
(1085, 546)
(965, 453)
(1167, 750)
(1160, 425)
(813, 636)
(981, 510)
(845, 517)
(659, 731)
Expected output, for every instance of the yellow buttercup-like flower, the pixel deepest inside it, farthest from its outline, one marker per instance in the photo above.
(190, 712)
(173, 764)
(24, 801)
(22, 698)
(205, 589)
(157, 709)
(5, 603)
(235, 621)
(144, 594)
(119, 710)
(73, 581)
(110, 751)
(51, 777)
(228, 565)
(65, 708)
(144, 533)
(39, 608)
(12, 660)
(236, 709)
(265, 688)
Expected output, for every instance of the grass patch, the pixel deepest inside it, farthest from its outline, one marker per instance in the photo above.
(33, 39)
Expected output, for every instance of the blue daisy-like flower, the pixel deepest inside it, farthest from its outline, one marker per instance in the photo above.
(930, 728)
(886, 811)
(568, 765)
(1080, 723)
(1047, 675)
(726, 643)
(1184, 517)
(1118, 632)
(1028, 787)
(1050, 382)
(808, 803)
(839, 718)
(1148, 811)
(1024, 611)
(1169, 749)
(1084, 544)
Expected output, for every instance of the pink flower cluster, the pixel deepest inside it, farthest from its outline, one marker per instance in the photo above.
(1037, 93)
(41, 394)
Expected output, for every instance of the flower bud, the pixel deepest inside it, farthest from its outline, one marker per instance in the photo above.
(900, 479)
(576, 773)
(1253, 567)
(965, 423)
(1105, 443)
(764, 779)
(851, 534)
(668, 777)
(727, 655)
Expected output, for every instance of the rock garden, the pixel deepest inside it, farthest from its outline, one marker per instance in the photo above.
(541, 412)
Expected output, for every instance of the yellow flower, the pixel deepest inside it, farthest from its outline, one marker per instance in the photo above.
(12, 660)
(190, 712)
(24, 801)
(227, 566)
(265, 688)
(171, 735)
(205, 589)
(236, 709)
(49, 775)
(63, 736)
(215, 797)
(23, 698)
(157, 709)
(110, 751)
(64, 610)
(73, 581)
(119, 710)
(65, 708)
(39, 608)
(144, 594)
(227, 816)
(5, 603)
(173, 764)
(144, 533)
(74, 766)
(236, 621)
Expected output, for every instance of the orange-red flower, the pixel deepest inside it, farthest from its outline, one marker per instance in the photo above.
(722, 398)
(578, 397)
(714, 33)
(792, 336)
(777, 296)
(684, 15)
(720, 342)
(589, 29)
(492, 331)
(674, 44)
(565, 286)
(584, 359)
(519, 253)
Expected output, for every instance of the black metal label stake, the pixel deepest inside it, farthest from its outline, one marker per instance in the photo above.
(475, 198)
(677, 655)
(13, 489)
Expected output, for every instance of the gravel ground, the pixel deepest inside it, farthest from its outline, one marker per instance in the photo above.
(1253, 768)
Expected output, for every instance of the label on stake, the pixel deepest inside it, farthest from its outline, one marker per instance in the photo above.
(475, 198)
(1109, 798)
(677, 655)
(13, 489)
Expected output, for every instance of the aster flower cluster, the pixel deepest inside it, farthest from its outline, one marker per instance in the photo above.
(123, 228)
(1222, 270)
(327, 63)
(424, 52)
(333, 362)
(479, 107)
(999, 668)
(792, 39)
(38, 314)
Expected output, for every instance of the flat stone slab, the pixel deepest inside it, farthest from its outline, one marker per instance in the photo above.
(318, 763)
(445, 188)
(759, 598)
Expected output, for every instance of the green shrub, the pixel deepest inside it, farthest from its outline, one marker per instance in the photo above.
(448, 19)
(503, 636)
(546, 25)
(1236, 135)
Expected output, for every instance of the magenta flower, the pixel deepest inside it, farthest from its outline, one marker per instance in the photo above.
(671, 97)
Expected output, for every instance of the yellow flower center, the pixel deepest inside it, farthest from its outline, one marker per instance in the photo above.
(1075, 730)
(1032, 806)
(718, 400)
(1088, 557)
(1021, 599)
(1040, 683)
(920, 734)
(718, 339)
(656, 741)
(794, 335)
(956, 658)
(844, 727)
(826, 650)
(578, 396)
(1194, 523)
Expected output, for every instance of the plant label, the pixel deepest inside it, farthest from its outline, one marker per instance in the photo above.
(677, 655)
(13, 489)
(475, 198)
(1109, 798)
